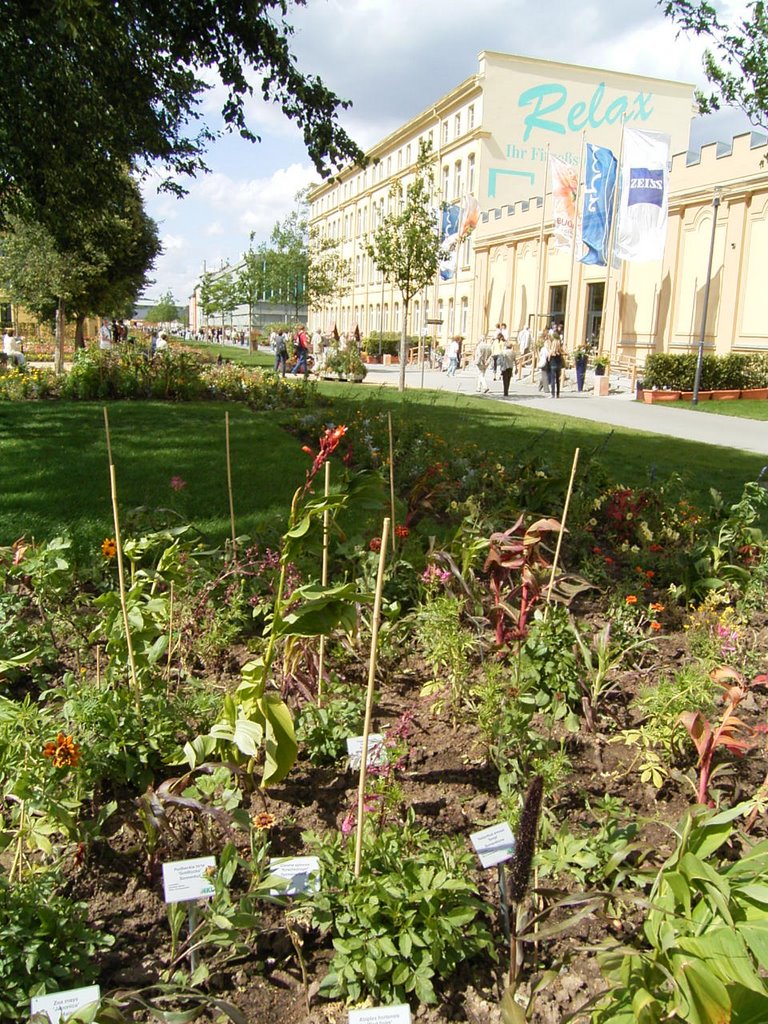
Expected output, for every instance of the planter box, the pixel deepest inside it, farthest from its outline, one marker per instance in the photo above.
(602, 386)
(727, 395)
(754, 393)
(704, 396)
(660, 396)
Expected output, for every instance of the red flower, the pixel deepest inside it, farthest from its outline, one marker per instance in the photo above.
(374, 544)
(656, 626)
(329, 442)
(608, 560)
(402, 532)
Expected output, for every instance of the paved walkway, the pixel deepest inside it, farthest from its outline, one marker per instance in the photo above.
(618, 409)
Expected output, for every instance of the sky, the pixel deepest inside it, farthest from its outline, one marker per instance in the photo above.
(392, 59)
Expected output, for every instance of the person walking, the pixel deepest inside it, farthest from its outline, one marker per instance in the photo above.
(452, 351)
(302, 351)
(543, 364)
(523, 346)
(281, 352)
(556, 363)
(507, 361)
(497, 347)
(483, 362)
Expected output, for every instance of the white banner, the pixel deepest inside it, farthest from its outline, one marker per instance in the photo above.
(565, 185)
(642, 228)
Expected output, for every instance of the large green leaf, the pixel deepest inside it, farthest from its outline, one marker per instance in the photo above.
(280, 741)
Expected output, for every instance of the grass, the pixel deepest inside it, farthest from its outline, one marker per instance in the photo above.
(233, 353)
(747, 408)
(55, 474)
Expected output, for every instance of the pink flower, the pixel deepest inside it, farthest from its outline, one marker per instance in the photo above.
(178, 483)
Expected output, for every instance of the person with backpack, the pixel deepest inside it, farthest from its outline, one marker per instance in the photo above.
(281, 352)
(301, 346)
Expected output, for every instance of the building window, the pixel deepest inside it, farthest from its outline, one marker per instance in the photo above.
(408, 156)
(451, 325)
(430, 139)
(445, 132)
(389, 165)
(440, 316)
(6, 314)
(470, 117)
(457, 126)
(446, 174)
(465, 251)
(396, 319)
(471, 173)
(378, 317)
(416, 321)
(386, 316)
(399, 159)
(358, 271)
(464, 316)
(457, 182)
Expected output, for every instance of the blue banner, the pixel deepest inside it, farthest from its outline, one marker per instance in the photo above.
(449, 238)
(599, 189)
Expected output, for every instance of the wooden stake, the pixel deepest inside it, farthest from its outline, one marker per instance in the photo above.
(229, 489)
(391, 484)
(562, 525)
(324, 582)
(170, 637)
(369, 697)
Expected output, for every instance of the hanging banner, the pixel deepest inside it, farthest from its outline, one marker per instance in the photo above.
(470, 217)
(565, 185)
(642, 229)
(599, 190)
(449, 240)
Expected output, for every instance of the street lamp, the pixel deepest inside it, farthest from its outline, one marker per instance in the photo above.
(700, 357)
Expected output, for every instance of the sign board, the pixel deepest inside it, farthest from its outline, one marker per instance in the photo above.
(60, 1005)
(377, 754)
(494, 845)
(381, 1015)
(188, 879)
(301, 873)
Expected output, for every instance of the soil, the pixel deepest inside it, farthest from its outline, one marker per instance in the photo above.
(452, 791)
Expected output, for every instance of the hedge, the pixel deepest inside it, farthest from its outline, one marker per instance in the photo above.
(718, 373)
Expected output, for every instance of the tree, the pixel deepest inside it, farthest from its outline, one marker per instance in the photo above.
(737, 66)
(164, 311)
(92, 88)
(405, 246)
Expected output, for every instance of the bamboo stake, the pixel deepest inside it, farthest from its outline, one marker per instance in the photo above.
(170, 637)
(393, 517)
(562, 525)
(120, 570)
(324, 582)
(229, 489)
(369, 697)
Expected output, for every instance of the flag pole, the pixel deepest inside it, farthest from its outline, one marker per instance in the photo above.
(579, 194)
(612, 239)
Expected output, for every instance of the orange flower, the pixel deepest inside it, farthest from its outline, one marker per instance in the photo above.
(656, 607)
(263, 821)
(402, 532)
(109, 547)
(631, 599)
(63, 750)
(597, 551)
(650, 573)
(608, 560)
(656, 626)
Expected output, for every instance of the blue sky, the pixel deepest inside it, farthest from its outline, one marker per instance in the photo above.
(392, 58)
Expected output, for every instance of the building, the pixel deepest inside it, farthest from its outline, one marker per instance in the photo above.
(490, 137)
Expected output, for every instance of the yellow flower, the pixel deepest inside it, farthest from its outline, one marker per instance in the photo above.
(263, 821)
(109, 547)
(63, 750)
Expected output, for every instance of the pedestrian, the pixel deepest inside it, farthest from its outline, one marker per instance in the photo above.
(483, 362)
(543, 364)
(507, 362)
(497, 347)
(523, 346)
(452, 352)
(556, 362)
(281, 352)
(301, 347)
(105, 336)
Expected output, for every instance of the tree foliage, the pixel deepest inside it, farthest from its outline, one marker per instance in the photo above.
(737, 62)
(91, 88)
(405, 246)
(165, 311)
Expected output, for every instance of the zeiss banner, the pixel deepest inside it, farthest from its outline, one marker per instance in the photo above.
(449, 238)
(599, 189)
(642, 227)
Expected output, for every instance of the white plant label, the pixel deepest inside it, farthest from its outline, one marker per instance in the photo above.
(381, 1015)
(494, 845)
(377, 753)
(301, 873)
(188, 879)
(64, 1004)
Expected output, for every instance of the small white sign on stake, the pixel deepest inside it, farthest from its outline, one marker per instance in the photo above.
(188, 879)
(381, 1015)
(377, 752)
(64, 1004)
(301, 873)
(494, 845)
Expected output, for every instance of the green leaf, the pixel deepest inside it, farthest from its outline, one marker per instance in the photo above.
(511, 1012)
(281, 748)
(248, 736)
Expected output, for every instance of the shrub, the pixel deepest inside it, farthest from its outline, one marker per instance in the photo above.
(389, 340)
(678, 372)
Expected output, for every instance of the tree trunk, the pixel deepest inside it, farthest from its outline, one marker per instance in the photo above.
(79, 333)
(403, 345)
(58, 355)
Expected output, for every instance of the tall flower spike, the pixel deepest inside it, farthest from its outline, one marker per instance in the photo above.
(525, 847)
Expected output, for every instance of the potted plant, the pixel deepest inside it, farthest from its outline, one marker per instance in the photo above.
(601, 365)
(345, 363)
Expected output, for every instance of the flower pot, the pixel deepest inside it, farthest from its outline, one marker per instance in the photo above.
(599, 371)
(649, 397)
(726, 395)
(754, 393)
(580, 364)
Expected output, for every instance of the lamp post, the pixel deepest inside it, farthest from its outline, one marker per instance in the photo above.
(700, 356)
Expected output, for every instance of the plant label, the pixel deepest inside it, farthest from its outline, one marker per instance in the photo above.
(494, 845)
(377, 754)
(188, 879)
(64, 1004)
(381, 1015)
(301, 873)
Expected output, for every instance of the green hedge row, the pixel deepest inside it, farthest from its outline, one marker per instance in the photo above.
(717, 372)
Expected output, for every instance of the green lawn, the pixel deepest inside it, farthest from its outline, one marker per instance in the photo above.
(749, 409)
(234, 353)
(55, 473)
